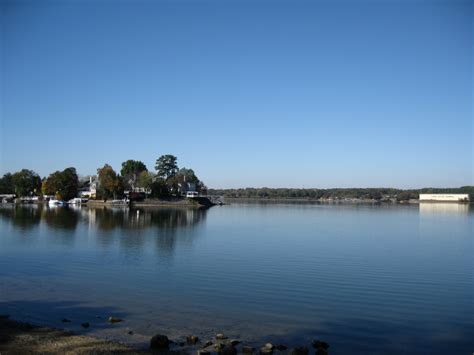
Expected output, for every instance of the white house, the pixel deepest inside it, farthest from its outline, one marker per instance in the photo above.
(444, 197)
(92, 191)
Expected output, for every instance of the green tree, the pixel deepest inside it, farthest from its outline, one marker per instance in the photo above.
(159, 188)
(6, 184)
(166, 166)
(110, 184)
(68, 184)
(49, 186)
(63, 185)
(131, 170)
(26, 182)
(145, 180)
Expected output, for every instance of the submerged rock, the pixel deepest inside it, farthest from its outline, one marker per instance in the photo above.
(247, 349)
(208, 343)
(159, 342)
(203, 352)
(65, 320)
(302, 350)
(115, 319)
(85, 325)
(192, 339)
(318, 344)
(281, 347)
(130, 332)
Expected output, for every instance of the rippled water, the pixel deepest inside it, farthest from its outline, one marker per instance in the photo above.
(367, 279)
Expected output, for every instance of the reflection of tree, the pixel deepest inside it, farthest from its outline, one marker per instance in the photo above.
(174, 218)
(60, 217)
(24, 216)
(169, 222)
(108, 219)
(162, 218)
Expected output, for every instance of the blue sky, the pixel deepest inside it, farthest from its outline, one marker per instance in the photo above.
(248, 93)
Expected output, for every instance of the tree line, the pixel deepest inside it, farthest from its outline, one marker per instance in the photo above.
(167, 180)
(377, 194)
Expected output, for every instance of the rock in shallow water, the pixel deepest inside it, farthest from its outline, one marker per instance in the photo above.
(220, 336)
(281, 347)
(247, 349)
(115, 319)
(159, 342)
(318, 344)
(302, 350)
(85, 325)
(266, 350)
(208, 343)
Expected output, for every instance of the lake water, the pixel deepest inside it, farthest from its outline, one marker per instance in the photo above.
(371, 279)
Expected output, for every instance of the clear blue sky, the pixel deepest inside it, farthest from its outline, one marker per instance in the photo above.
(248, 93)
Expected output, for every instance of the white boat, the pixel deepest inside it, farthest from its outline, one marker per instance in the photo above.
(56, 203)
(75, 201)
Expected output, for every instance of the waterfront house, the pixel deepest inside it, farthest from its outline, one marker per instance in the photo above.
(90, 188)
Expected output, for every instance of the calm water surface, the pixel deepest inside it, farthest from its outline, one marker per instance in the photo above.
(367, 279)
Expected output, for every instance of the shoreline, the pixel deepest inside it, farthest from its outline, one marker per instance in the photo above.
(24, 338)
(19, 337)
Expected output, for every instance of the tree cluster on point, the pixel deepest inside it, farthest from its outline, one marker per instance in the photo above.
(134, 177)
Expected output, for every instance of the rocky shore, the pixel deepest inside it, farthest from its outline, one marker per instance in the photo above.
(23, 338)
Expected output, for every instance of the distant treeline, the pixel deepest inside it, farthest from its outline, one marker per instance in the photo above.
(337, 193)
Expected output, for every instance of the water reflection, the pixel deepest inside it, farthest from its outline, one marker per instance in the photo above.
(431, 208)
(21, 216)
(103, 219)
(60, 218)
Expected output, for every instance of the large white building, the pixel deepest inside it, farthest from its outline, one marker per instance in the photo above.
(444, 197)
